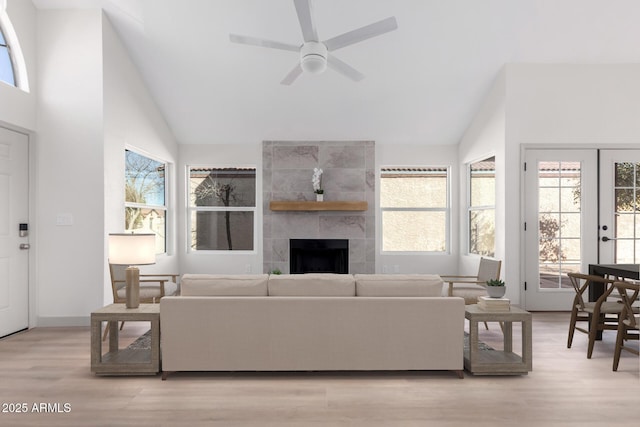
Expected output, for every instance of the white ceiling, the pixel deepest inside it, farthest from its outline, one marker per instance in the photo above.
(423, 82)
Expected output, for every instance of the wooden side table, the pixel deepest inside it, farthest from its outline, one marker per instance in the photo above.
(498, 362)
(128, 361)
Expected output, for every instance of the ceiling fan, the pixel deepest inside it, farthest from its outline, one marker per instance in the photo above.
(316, 55)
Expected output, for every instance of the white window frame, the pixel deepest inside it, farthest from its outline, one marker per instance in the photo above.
(190, 209)
(446, 210)
(165, 207)
(478, 208)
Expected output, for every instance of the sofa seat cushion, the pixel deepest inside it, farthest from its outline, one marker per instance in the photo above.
(224, 285)
(312, 284)
(398, 285)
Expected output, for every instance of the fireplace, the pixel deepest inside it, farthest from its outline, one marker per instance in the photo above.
(318, 256)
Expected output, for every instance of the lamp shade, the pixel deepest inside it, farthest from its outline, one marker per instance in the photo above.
(132, 249)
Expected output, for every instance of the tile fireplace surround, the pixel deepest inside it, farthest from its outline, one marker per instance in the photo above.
(349, 174)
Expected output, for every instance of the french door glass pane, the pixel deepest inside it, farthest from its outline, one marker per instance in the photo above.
(627, 208)
(559, 222)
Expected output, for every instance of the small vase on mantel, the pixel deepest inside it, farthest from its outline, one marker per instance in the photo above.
(319, 197)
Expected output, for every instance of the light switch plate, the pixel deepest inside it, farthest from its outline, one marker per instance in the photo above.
(64, 219)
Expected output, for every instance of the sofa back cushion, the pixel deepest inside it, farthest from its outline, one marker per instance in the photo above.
(398, 285)
(224, 285)
(312, 284)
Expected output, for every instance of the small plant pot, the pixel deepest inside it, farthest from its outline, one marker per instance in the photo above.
(496, 291)
(319, 197)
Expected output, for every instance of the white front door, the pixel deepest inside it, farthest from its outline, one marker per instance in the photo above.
(619, 206)
(14, 210)
(561, 223)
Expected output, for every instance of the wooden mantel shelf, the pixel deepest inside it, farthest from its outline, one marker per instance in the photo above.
(303, 205)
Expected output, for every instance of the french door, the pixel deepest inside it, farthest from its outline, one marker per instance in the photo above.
(14, 210)
(619, 207)
(581, 207)
(561, 223)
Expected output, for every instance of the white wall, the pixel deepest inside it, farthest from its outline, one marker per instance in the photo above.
(419, 155)
(218, 155)
(573, 104)
(132, 120)
(70, 166)
(17, 107)
(485, 137)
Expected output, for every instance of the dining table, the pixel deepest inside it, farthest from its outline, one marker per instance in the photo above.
(619, 271)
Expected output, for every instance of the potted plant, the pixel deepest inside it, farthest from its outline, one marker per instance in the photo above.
(495, 288)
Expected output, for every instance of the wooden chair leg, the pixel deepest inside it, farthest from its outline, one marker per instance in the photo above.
(121, 325)
(593, 330)
(572, 326)
(486, 325)
(619, 344)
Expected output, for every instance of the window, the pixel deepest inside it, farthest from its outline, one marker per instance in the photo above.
(6, 65)
(222, 207)
(415, 209)
(145, 197)
(482, 207)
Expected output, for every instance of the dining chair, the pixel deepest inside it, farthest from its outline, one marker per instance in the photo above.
(152, 287)
(602, 314)
(629, 320)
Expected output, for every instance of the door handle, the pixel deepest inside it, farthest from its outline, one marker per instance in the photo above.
(25, 246)
(606, 239)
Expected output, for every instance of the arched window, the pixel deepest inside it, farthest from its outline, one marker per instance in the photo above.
(6, 64)
(13, 70)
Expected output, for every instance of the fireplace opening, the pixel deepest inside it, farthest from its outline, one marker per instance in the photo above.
(319, 256)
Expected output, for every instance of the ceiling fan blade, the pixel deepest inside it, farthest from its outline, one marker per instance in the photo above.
(292, 76)
(360, 34)
(254, 41)
(305, 16)
(344, 68)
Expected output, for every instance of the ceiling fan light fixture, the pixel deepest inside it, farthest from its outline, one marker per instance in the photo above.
(313, 57)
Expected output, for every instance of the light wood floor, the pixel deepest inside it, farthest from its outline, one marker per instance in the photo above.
(51, 365)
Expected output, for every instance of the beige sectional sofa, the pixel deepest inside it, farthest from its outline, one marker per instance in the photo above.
(311, 322)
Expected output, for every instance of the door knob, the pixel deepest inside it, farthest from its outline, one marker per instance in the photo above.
(606, 239)
(24, 246)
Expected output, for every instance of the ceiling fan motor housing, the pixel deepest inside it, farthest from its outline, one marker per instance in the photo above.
(313, 57)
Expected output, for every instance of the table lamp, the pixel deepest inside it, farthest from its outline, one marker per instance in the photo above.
(131, 250)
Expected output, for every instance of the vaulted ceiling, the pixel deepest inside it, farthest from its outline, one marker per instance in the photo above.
(423, 82)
